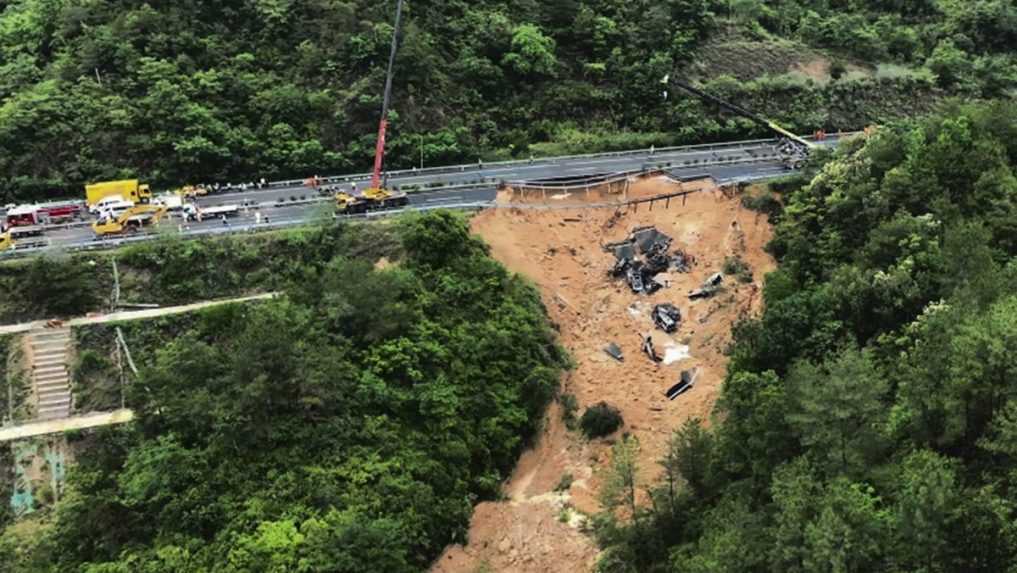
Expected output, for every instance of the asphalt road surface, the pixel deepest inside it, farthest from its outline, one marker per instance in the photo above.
(680, 158)
(288, 203)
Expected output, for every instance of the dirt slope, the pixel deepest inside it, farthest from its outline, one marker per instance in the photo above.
(560, 250)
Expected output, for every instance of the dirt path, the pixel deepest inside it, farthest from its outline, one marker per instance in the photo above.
(537, 528)
(133, 314)
(73, 423)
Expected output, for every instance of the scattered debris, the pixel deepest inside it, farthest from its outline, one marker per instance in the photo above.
(675, 353)
(649, 349)
(614, 351)
(710, 286)
(642, 256)
(667, 317)
(684, 384)
(682, 261)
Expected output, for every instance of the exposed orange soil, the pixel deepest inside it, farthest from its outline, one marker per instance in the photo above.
(560, 250)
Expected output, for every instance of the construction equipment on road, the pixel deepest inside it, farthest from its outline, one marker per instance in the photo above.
(193, 213)
(376, 196)
(21, 236)
(192, 191)
(129, 221)
(128, 189)
(794, 150)
(348, 203)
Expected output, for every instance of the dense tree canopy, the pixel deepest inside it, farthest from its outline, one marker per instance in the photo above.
(866, 423)
(190, 91)
(348, 427)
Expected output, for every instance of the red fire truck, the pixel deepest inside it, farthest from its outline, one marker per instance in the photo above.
(44, 214)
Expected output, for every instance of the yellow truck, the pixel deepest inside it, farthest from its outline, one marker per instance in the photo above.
(127, 189)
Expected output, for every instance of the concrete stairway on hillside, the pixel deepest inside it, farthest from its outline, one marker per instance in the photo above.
(50, 372)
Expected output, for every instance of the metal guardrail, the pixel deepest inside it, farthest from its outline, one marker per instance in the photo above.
(550, 160)
(238, 229)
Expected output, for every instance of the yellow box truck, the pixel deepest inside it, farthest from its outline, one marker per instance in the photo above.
(128, 189)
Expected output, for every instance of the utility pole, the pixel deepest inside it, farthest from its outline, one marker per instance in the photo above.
(379, 150)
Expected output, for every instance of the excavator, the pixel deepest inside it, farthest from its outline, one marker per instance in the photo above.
(376, 196)
(794, 150)
(129, 221)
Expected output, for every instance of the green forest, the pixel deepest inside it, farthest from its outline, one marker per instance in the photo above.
(349, 426)
(865, 423)
(191, 91)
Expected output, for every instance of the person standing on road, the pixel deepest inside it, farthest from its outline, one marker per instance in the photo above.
(225, 222)
(257, 217)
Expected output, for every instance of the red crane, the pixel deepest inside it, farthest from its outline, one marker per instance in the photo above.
(379, 149)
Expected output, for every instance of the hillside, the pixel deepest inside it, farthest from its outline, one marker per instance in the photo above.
(348, 426)
(865, 421)
(193, 91)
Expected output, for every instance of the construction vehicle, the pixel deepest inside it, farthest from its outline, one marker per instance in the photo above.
(376, 196)
(194, 213)
(192, 191)
(794, 150)
(127, 189)
(20, 235)
(129, 221)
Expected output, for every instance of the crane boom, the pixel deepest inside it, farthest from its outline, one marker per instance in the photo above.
(744, 113)
(379, 149)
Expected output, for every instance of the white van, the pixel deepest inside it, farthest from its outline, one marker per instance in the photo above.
(107, 203)
(114, 209)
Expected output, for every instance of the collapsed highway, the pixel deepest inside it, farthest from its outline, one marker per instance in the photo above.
(288, 203)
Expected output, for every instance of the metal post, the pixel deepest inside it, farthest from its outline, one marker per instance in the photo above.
(116, 286)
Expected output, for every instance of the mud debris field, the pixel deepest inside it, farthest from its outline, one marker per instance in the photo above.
(558, 244)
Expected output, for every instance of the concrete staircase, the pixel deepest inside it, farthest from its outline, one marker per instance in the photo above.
(50, 372)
